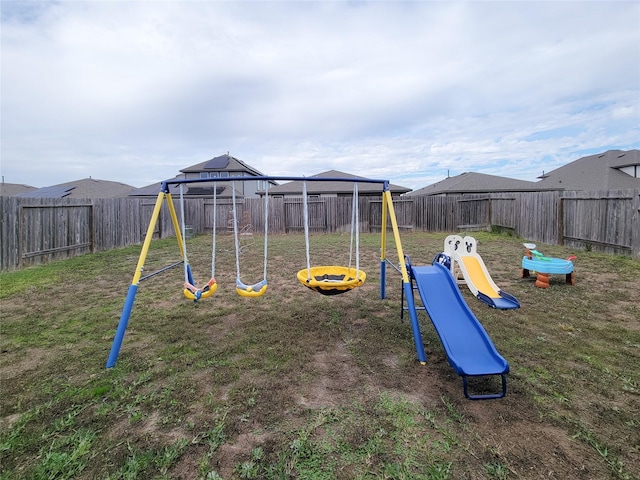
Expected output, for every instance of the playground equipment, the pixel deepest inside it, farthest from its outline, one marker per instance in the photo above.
(190, 290)
(462, 253)
(468, 347)
(332, 279)
(257, 289)
(346, 274)
(536, 263)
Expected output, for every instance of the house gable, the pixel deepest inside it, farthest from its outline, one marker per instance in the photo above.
(221, 167)
(628, 163)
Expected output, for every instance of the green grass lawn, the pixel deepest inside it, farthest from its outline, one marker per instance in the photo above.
(294, 384)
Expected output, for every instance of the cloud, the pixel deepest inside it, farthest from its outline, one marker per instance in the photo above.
(135, 91)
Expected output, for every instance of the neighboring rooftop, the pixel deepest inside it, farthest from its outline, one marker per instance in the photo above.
(471, 182)
(224, 166)
(223, 163)
(223, 189)
(611, 170)
(85, 188)
(333, 187)
(13, 189)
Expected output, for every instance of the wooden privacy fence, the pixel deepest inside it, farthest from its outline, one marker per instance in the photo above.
(608, 221)
(34, 231)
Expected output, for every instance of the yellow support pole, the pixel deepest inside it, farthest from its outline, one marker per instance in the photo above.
(176, 224)
(396, 234)
(406, 285)
(147, 239)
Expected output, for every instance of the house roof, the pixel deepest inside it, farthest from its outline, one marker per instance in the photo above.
(13, 189)
(596, 172)
(222, 163)
(472, 182)
(204, 188)
(332, 187)
(85, 188)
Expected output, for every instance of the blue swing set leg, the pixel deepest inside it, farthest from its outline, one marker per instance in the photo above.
(122, 326)
(133, 288)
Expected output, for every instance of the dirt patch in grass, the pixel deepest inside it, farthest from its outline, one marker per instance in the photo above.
(18, 362)
(332, 379)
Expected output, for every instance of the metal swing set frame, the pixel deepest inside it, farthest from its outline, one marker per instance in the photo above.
(309, 276)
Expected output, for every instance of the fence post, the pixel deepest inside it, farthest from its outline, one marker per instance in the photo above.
(635, 222)
(20, 249)
(561, 220)
(92, 227)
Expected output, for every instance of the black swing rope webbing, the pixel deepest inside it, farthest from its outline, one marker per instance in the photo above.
(333, 279)
(190, 290)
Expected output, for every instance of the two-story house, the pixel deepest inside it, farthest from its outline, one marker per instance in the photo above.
(223, 167)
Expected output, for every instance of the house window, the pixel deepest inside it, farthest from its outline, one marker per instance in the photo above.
(204, 175)
(224, 174)
(213, 174)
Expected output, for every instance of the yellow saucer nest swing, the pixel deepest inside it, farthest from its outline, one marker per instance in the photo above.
(333, 279)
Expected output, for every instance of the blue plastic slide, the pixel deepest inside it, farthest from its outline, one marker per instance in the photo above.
(469, 349)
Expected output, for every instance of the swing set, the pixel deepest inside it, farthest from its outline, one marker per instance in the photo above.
(327, 280)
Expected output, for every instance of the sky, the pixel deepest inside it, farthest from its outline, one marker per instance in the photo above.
(411, 92)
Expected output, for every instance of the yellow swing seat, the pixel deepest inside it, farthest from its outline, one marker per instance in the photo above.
(194, 293)
(255, 290)
(331, 279)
